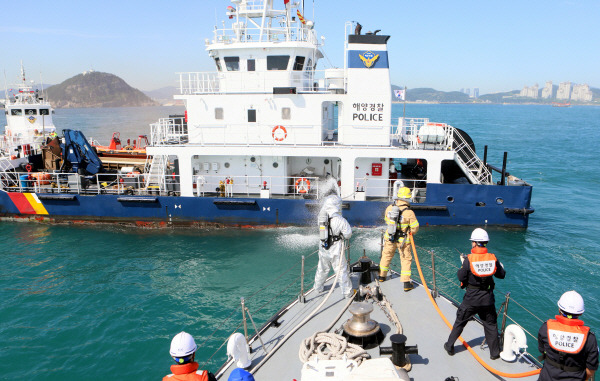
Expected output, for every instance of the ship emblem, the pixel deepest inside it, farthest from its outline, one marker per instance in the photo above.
(368, 58)
(31, 119)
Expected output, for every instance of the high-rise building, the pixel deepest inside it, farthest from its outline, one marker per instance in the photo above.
(476, 92)
(564, 91)
(530, 92)
(581, 93)
(547, 91)
(468, 92)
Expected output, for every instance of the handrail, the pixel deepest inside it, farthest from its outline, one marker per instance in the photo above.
(466, 345)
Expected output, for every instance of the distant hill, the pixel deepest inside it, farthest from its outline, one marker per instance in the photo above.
(424, 94)
(503, 97)
(162, 93)
(96, 89)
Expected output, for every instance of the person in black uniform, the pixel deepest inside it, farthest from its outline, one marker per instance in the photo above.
(476, 275)
(569, 347)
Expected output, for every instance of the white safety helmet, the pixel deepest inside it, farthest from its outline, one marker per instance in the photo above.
(183, 345)
(479, 235)
(572, 303)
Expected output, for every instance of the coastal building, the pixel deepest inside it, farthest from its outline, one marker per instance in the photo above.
(581, 93)
(564, 91)
(547, 91)
(530, 92)
(476, 92)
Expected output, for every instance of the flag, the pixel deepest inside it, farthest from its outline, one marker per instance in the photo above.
(285, 2)
(400, 94)
(302, 20)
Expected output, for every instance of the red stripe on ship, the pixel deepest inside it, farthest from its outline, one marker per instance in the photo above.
(22, 203)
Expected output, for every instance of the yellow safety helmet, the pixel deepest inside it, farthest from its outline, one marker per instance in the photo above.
(403, 192)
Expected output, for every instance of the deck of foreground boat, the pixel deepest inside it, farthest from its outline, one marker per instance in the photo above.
(421, 324)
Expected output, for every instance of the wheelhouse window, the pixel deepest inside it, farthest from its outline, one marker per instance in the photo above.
(277, 62)
(299, 63)
(286, 113)
(30, 111)
(44, 111)
(251, 64)
(219, 113)
(232, 63)
(218, 63)
(16, 111)
(251, 116)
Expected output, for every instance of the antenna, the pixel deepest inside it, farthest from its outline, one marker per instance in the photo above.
(5, 87)
(42, 85)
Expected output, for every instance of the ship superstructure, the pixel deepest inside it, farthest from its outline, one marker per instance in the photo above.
(28, 120)
(268, 133)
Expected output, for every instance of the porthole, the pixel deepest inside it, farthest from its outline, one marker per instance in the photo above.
(275, 164)
(499, 201)
(326, 161)
(253, 159)
(450, 199)
(226, 165)
(480, 203)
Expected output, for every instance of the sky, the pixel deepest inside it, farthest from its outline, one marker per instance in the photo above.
(492, 45)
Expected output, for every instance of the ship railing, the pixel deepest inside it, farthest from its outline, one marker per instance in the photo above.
(290, 283)
(242, 33)
(312, 81)
(21, 145)
(420, 133)
(373, 187)
(263, 186)
(168, 131)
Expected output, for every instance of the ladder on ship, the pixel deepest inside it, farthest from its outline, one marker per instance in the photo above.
(470, 163)
(7, 178)
(155, 175)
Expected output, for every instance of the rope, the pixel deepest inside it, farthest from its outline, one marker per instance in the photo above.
(330, 346)
(466, 345)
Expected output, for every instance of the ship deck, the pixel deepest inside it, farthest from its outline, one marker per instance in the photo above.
(421, 325)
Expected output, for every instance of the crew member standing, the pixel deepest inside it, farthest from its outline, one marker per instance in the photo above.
(476, 275)
(569, 347)
(401, 221)
(183, 351)
(333, 229)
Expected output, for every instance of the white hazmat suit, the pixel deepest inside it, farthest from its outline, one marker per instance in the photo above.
(331, 257)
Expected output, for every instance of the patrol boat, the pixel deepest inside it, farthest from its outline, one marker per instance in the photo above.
(28, 124)
(381, 333)
(266, 135)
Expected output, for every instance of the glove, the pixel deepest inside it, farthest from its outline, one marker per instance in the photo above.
(462, 259)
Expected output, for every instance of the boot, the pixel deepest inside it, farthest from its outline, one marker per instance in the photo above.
(408, 286)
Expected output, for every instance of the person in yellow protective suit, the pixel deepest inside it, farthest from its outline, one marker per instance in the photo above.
(400, 221)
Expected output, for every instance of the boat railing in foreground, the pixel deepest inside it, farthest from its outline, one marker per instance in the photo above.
(440, 278)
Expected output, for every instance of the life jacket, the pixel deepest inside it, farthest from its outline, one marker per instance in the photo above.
(483, 264)
(186, 372)
(567, 335)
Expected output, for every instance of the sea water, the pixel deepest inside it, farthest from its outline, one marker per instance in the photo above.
(97, 302)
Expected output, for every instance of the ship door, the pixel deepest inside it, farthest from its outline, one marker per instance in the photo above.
(328, 127)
